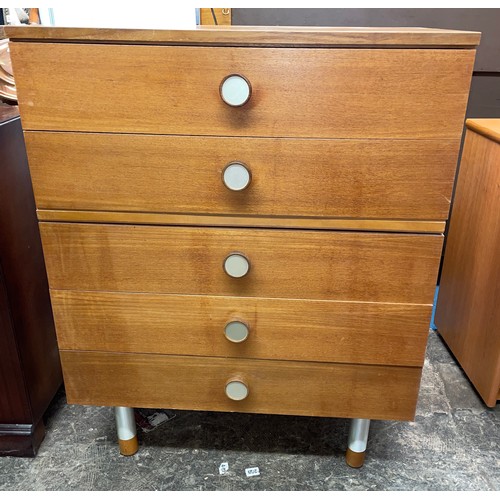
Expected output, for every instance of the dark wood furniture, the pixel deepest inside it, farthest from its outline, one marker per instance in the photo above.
(467, 312)
(30, 372)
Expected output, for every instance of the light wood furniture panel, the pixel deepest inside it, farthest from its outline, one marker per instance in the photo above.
(283, 263)
(282, 387)
(398, 179)
(467, 311)
(346, 332)
(337, 93)
(167, 219)
(244, 219)
(257, 36)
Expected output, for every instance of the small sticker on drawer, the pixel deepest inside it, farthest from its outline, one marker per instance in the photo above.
(223, 467)
(252, 471)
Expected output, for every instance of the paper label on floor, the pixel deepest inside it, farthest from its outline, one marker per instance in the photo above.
(252, 471)
(223, 468)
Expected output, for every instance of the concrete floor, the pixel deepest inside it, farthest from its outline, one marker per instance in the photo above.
(454, 444)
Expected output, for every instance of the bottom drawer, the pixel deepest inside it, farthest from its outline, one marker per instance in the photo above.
(279, 387)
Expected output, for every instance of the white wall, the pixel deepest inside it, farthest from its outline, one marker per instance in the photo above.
(163, 16)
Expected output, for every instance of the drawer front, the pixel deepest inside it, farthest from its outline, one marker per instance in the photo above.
(280, 387)
(280, 263)
(301, 330)
(332, 93)
(296, 177)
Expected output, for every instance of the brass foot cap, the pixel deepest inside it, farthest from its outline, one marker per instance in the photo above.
(128, 446)
(354, 458)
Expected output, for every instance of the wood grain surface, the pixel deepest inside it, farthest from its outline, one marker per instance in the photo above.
(14, 403)
(489, 127)
(294, 36)
(280, 387)
(397, 179)
(301, 330)
(468, 312)
(338, 93)
(284, 263)
(148, 218)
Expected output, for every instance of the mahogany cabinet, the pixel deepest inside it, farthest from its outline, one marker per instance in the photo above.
(30, 372)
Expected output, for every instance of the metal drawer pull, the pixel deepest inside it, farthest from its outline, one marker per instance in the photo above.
(236, 265)
(236, 331)
(236, 390)
(236, 176)
(235, 90)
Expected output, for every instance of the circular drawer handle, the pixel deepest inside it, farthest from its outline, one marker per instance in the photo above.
(236, 176)
(236, 265)
(236, 331)
(235, 90)
(236, 390)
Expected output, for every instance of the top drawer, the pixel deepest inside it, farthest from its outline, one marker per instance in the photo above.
(327, 93)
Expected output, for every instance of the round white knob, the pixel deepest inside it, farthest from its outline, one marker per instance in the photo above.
(236, 331)
(236, 390)
(235, 90)
(236, 265)
(236, 177)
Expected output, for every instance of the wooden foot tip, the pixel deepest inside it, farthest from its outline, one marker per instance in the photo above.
(129, 446)
(355, 459)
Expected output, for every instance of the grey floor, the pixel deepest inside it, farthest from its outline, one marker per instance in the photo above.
(454, 444)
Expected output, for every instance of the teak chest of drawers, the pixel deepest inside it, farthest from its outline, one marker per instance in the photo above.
(243, 219)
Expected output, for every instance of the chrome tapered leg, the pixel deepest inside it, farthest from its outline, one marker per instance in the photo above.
(127, 434)
(358, 437)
